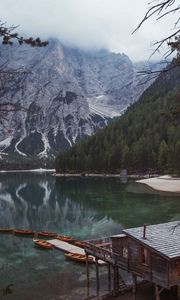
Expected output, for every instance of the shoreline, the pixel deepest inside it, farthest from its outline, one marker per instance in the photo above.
(164, 183)
(40, 170)
(133, 176)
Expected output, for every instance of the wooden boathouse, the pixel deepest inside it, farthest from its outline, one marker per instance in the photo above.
(148, 252)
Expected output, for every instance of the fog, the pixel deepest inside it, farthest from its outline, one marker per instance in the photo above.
(88, 24)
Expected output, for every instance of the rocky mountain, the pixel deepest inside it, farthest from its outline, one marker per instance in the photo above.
(146, 139)
(64, 94)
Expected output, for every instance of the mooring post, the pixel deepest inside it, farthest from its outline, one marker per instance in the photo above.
(134, 283)
(87, 274)
(97, 276)
(109, 277)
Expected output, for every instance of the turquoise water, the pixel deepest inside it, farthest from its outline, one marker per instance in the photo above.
(84, 208)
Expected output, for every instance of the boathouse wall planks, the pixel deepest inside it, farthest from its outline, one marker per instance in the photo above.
(155, 257)
(151, 252)
(152, 268)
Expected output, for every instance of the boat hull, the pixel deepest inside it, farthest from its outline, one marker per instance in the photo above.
(65, 238)
(6, 230)
(46, 234)
(23, 232)
(43, 244)
(78, 257)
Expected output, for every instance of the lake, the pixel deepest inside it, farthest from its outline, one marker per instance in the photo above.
(85, 208)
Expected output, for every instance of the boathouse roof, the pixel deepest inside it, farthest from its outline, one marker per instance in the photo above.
(163, 238)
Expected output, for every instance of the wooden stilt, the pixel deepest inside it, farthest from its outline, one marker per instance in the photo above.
(114, 280)
(134, 283)
(87, 274)
(97, 276)
(117, 271)
(157, 292)
(178, 292)
(109, 277)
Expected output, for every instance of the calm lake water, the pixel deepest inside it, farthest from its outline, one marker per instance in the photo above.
(85, 208)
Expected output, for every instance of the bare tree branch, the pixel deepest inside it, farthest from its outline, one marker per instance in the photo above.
(168, 12)
(8, 36)
(149, 75)
(161, 9)
(157, 9)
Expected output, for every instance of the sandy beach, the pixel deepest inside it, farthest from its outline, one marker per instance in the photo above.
(164, 183)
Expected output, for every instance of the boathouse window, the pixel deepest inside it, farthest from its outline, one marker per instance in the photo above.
(125, 251)
(144, 256)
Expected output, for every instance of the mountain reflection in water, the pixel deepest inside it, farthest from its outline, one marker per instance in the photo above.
(84, 207)
(41, 203)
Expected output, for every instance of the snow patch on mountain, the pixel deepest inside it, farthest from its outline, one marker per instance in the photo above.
(100, 105)
(47, 147)
(5, 143)
(65, 94)
(16, 147)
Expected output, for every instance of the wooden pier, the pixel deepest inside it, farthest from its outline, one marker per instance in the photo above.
(69, 248)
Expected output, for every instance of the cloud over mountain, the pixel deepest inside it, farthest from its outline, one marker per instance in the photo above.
(88, 24)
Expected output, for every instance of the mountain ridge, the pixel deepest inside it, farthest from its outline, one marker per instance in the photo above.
(66, 94)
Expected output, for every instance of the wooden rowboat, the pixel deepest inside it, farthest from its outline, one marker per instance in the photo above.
(6, 230)
(65, 238)
(46, 234)
(43, 244)
(23, 232)
(78, 257)
(80, 244)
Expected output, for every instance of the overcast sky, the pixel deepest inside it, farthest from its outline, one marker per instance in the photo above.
(88, 24)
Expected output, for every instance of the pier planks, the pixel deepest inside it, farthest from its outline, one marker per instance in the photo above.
(69, 248)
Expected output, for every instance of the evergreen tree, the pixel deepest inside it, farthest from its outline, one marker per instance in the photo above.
(163, 156)
(145, 139)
